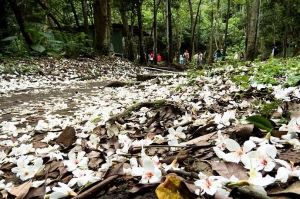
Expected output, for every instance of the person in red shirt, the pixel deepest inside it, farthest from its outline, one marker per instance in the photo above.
(158, 58)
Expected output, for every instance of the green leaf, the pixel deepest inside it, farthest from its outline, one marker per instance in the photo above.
(9, 38)
(260, 122)
(39, 48)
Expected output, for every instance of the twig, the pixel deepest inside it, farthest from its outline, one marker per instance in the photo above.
(184, 173)
(90, 192)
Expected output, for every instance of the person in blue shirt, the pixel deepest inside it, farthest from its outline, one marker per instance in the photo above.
(218, 55)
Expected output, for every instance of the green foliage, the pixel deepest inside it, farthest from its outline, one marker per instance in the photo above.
(242, 80)
(266, 108)
(260, 122)
(18, 69)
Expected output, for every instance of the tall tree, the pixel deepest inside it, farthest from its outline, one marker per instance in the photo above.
(252, 31)
(169, 33)
(226, 29)
(102, 25)
(85, 17)
(17, 9)
(49, 14)
(127, 7)
(212, 30)
(141, 37)
(74, 13)
(3, 22)
(193, 22)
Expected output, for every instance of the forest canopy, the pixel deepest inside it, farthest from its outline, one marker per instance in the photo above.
(86, 27)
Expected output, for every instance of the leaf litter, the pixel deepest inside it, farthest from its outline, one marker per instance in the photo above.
(64, 107)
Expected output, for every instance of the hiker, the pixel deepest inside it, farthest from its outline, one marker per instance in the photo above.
(200, 58)
(158, 58)
(181, 59)
(186, 57)
(218, 55)
(242, 56)
(274, 51)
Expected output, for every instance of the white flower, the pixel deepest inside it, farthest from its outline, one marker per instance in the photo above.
(151, 173)
(26, 171)
(225, 119)
(174, 165)
(37, 183)
(176, 134)
(62, 191)
(136, 170)
(283, 173)
(220, 141)
(93, 141)
(75, 162)
(50, 136)
(4, 186)
(257, 179)
(83, 177)
(236, 152)
(23, 149)
(262, 159)
(209, 184)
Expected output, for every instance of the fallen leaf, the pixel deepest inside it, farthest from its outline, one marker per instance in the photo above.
(293, 188)
(203, 140)
(67, 137)
(173, 188)
(227, 169)
(115, 170)
(21, 190)
(289, 156)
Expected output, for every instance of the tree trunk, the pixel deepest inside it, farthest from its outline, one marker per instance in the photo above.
(16, 8)
(210, 53)
(155, 31)
(85, 17)
(130, 50)
(3, 23)
(252, 34)
(141, 36)
(74, 13)
(226, 30)
(102, 26)
(192, 27)
(170, 37)
(49, 14)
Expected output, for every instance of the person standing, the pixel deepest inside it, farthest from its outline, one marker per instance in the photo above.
(218, 55)
(186, 57)
(181, 59)
(274, 51)
(242, 56)
(200, 58)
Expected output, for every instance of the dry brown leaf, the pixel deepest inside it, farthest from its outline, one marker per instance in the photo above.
(244, 131)
(203, 140)
(36, 192)
(21, 190)
(93, 154)
(67, 137)
(289, 156)
(94, 163)
(293, 188)
(115, 170)
(227, 169)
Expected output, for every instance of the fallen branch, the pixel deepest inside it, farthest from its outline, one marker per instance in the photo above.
(184, 173)
(90, 192)
(135, 107)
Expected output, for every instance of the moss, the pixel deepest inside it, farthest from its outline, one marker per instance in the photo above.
(159, 103)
